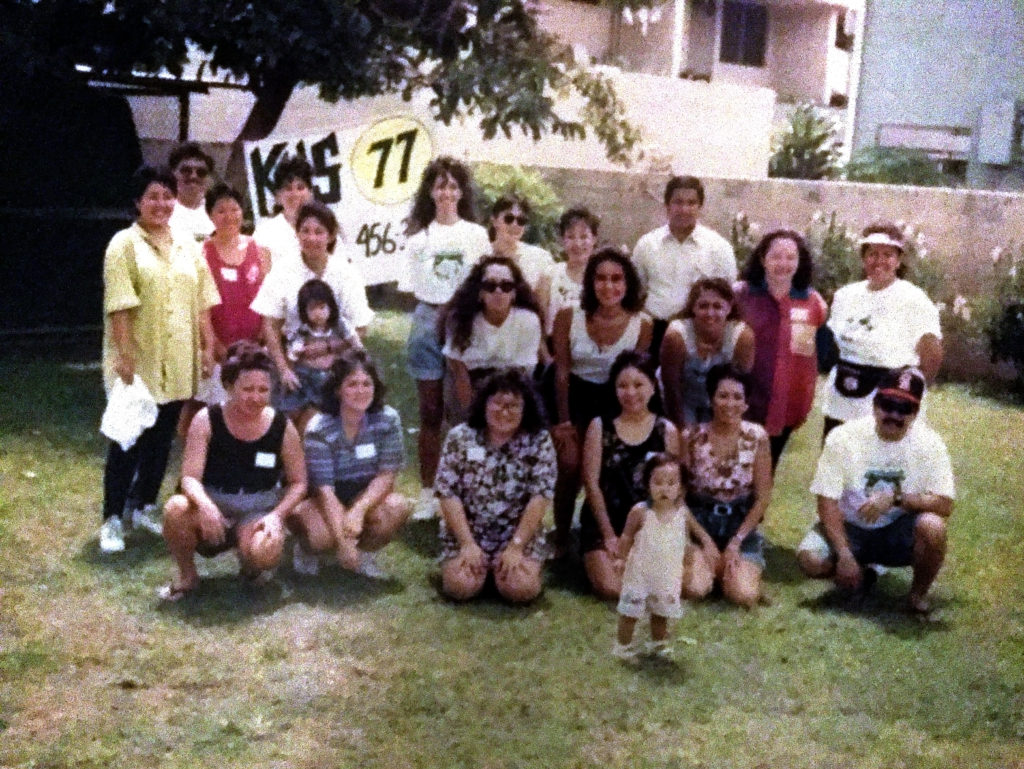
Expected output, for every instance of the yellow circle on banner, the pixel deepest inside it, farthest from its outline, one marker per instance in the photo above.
(388, 159)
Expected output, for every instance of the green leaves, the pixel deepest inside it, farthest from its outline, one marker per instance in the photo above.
(808, 148)
(489, 58)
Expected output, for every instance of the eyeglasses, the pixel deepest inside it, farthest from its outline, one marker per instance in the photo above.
(896, 406)
(505, 286)
(198, 171)
(510, 217)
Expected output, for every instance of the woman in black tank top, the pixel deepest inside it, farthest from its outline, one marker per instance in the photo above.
(242, 473)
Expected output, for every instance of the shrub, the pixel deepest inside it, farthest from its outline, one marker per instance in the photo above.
(1001, 310)
(895, 165)
(808, 148)
(493, 181)
(744, 236)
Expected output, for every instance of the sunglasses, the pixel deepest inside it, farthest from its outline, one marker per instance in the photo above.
(505, 286)
(199, 171)
(510, 217)
(896, 406)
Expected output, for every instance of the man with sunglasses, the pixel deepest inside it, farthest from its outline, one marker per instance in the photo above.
(885, 490)
(192, 169)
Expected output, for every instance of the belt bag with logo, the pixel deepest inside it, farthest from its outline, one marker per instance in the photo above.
(856, 381)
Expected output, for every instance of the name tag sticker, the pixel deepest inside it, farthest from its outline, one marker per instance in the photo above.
(366, 451)
(799, 314)
(266, 459)
(230, 274)
(476, 453)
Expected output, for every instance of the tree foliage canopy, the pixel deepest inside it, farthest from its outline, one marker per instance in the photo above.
(488, 59)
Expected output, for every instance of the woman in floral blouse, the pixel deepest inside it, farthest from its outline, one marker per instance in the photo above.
(495, 480)
(730, 469)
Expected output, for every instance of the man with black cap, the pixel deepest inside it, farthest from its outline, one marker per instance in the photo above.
(885, 490)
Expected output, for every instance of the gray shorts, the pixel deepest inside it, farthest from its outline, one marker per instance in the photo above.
(238, 508)
(424, 359)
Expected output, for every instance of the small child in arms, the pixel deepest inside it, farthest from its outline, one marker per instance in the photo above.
(652, 544)
(321, 339)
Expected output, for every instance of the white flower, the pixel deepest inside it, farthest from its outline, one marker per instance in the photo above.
(961, 307)
(996, 254)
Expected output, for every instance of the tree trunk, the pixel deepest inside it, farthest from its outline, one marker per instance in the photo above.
(266, 112)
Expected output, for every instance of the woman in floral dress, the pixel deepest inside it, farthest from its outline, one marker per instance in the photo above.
(495, 481)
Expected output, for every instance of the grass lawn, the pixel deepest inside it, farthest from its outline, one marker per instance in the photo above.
(341, 671)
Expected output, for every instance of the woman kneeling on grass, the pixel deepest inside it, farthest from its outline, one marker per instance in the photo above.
(242, 473)
(353, 453)
(495, 480)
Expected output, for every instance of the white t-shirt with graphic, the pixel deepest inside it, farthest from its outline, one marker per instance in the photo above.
(856, 463)
(438, 259)
(877, 328)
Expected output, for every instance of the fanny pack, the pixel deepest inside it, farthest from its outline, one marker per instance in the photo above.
(854, 380)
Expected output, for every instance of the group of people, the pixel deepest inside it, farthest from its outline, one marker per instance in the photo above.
(664, 383)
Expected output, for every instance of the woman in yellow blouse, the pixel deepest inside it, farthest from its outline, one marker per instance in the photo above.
(157, 296)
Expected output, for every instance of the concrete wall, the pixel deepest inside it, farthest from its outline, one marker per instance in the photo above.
(938, 64)
(960, 226)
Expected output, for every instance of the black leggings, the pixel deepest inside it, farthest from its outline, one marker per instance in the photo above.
(133, 477)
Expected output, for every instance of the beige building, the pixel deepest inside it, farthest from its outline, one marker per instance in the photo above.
(800, 49)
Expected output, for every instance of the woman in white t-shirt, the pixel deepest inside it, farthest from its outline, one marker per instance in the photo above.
(293, 188)
(510, 216)
(563, 283)
(880, 323)
(492, 324)
(443, 244)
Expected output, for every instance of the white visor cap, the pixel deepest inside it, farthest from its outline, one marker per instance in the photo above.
(880, 239)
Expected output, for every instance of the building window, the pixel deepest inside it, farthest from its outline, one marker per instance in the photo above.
(744, 33)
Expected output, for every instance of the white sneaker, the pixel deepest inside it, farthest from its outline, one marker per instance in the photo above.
(625, 652)
(369, 566)
(146, 518)
(660, 649)
(112, 535)
(427, 507)
(305, 563)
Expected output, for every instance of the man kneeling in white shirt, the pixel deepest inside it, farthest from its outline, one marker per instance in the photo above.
(885, 491)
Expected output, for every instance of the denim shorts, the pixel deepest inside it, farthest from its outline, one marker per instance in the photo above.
(423, 357)
(891, 545)
(308, 393)
(722, 520)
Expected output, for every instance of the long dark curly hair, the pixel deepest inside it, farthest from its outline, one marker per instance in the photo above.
(463, 307)
(633, 301)
(423, 208)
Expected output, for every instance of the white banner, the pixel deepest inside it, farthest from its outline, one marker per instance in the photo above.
(367, 175)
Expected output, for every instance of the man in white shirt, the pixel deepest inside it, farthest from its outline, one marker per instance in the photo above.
(192, 169)
(885, 490)
(673, 257)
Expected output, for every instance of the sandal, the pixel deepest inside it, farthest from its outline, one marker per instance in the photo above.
(171, 593)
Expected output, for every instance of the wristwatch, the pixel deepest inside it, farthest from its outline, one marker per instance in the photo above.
(897, 498)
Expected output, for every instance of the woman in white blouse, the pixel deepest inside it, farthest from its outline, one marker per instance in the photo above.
(491, 324)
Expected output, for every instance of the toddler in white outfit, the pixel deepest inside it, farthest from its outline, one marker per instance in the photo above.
(652, 544)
